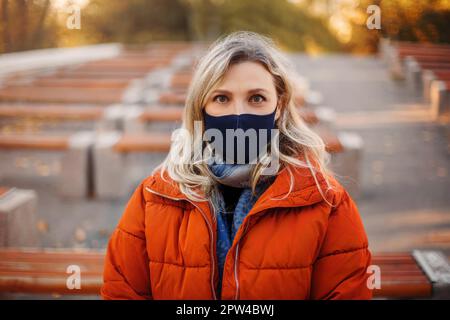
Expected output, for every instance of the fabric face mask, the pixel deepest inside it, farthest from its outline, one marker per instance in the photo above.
(242, 146)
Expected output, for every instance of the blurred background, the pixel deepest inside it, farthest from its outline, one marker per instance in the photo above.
(90, 91)
(298, 25)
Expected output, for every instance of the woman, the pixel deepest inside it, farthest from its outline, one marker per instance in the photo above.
(207, 225)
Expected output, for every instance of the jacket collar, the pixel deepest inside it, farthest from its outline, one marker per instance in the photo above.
(304, 189)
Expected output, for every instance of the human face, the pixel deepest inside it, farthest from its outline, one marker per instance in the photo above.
(246, 88)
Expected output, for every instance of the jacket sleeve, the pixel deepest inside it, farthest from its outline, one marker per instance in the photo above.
(126, 271)
(340, 270)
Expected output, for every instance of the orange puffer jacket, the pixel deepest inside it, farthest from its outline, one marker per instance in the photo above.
(296, 247)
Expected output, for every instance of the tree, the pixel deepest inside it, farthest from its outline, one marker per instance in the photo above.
(25, 25)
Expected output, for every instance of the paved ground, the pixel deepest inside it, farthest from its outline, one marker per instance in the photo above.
(405, 200)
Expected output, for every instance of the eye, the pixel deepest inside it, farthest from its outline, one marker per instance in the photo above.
(257, 98)
(221, 98)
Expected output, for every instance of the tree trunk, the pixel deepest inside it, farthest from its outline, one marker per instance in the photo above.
(36, 37)
(22, 39)
(5, 27)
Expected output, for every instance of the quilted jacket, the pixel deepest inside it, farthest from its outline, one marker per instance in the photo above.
(291, 245)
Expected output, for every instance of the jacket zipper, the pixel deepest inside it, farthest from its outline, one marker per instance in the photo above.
(210, 232)
(236, 275)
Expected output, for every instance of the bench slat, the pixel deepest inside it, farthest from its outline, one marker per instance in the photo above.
(69, 95)
(402, 290)
(42, 285)
(162, 114)
(81, 83)
(27, 141)
(51, 112)
(143, 143)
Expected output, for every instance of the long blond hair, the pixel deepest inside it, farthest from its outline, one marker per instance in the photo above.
(295, 137)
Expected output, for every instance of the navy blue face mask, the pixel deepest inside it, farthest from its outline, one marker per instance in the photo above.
(247, 145)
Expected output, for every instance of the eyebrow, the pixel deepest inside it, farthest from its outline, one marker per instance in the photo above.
(249, 91)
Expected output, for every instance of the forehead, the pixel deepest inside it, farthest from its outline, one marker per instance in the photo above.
(246, 76)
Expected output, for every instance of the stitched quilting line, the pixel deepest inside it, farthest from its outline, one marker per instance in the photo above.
(343, 252)
(179, 265)
(129, 233)
(278, 268)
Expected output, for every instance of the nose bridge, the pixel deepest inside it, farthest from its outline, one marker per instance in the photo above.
(239, 106)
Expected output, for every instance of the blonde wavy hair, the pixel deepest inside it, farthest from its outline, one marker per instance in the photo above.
(190, 172)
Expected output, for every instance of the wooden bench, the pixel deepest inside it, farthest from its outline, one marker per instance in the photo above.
(413, 45)
(61, 118)
(139, 62)
(145, 61)
(120, 160)
(51, 111)
(143, 143)
(119, 61)
(416, 275)
(118, 68)
(63, 160)
(440, 98)
(419, 274)
(103, 74)
(124, 67)
(34, 142)
(430, 75)
(69, 86)
(415, 69)
(89, 82)
(61, 95)
(146, 54)
(152, 118)
(17, 217)
(154, 53)
(160, 113)
(421, 50)
(423, 55)
(181, 80)
(45, 271)
(172, 98)
(56, 82)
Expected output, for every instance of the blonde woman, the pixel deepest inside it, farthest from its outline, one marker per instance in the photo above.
(229, 223)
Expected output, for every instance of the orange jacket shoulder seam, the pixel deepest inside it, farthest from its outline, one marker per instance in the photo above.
(129, 233)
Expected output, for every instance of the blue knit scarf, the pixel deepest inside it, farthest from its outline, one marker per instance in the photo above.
(235, 175)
